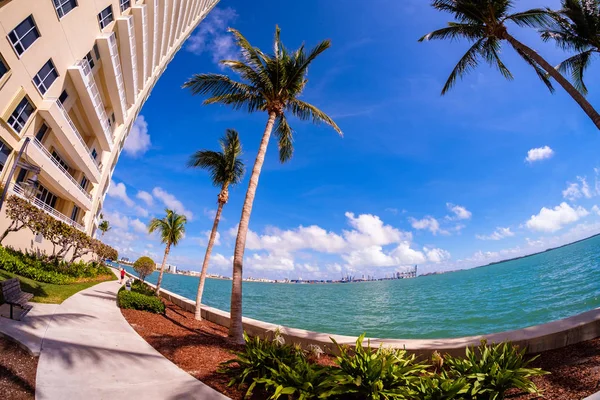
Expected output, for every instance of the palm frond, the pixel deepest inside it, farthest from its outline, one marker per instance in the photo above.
(225, 167)
(217, 85)
(575, 67)
(540, 72)
(306, 111)
(171, 228)
(285, 139)
(466, 64)
(490, 50)
(534, 18)
(456, 31)
(251, 102)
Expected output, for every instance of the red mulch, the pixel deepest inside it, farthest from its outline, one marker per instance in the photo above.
(17, 372)
(199, 347)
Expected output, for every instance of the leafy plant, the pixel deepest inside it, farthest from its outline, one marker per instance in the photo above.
(440, 387)
(367, 373)
(492, 370)
(302, 380)
(138, 301)
(259, 359)
(144, 266)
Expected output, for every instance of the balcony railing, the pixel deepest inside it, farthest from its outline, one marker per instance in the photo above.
(77, 134)
(90, 85)
(155, 57)
(44, 150)
(18, 190)
(116, 62)
(131, 30)
(144, 12)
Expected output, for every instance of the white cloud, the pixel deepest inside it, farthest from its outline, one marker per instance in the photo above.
(460, 212)
(551, 220)
(499, 233)
(145, 196)
(576, 190)
(119, 191)
(429, 223)
(539, 153)
(138, 140)
(116, 220)
(138, 226)
(171, 202)
(210, 213)
(270, 262)
(436, 255)
(212, 36)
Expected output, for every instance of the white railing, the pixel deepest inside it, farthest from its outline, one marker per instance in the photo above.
(59, 165)
(18, 190)
(164, 40)
(90, 85)
(77, 134)
(155, 39)
(116, 62)
(172, 24)
(134, 71)
(144, 12)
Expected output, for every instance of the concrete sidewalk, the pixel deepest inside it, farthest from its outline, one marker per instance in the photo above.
(28, 332)
(91, 352)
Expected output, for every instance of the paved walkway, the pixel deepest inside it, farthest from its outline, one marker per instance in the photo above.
(29, 332)
(89, 351)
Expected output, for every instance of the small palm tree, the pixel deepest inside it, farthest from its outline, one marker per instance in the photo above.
(104, 227)
(172, 229)
(576, 27)
(270, 83)
(483, 23)
(226, 169)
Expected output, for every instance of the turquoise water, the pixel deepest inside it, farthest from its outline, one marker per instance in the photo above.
(505, 296)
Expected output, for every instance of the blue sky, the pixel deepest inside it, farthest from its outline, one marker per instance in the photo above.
(443, 182)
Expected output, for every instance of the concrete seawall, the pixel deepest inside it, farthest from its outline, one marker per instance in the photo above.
(549, 336)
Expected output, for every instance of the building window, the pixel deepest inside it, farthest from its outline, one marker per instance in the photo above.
(84, 183)
(3, 67)
(19, 117)
(125, 4)
(41, 133)
(90, 60)
(75, 213)
(60, 160)
(94, 153)
(45, 196)
(105, 17)
(5, 151)
(96, 52)
(63, 97)
(63, 7)
(45, 77)
(24, 35)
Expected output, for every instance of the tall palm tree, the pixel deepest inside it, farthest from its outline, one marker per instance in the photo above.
(104, 227)
(226, 169)
(270, 83)
(483, 23)
(576, 27)
(172, 229)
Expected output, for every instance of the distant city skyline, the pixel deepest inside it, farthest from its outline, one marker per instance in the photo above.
(493, 170)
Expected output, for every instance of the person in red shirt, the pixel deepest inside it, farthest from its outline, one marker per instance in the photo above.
(122, 275)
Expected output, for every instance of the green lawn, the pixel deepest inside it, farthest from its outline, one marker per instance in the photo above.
(49, 293)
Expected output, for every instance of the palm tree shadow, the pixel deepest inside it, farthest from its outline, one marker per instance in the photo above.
(10, 375)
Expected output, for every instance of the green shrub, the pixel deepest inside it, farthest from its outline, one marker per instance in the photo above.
(301, 380)
(144, 266)
(367, 373)
(139, 287)
(492, 370)
(440, 387)
(137, 301)
(259, 359)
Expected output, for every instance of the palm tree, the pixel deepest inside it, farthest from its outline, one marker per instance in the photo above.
(483, 23)
(226, 169)
(576, 27)
(104, 227)
(270, 83)
(172, 229)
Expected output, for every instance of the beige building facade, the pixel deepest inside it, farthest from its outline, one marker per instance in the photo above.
(74, 75)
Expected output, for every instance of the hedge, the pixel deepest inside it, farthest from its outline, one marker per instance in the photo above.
(138, 301)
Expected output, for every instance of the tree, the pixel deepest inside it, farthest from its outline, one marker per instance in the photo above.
(172, 229)
(483, 23)
(82, 244)
(23, 214)
(226, 169)
(104, 227)
(144, 266)
(270, 83)
(576, 27)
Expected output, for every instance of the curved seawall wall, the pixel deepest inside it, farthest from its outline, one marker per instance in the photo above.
(538, 338)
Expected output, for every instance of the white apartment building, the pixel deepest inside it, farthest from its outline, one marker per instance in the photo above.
(74, 75)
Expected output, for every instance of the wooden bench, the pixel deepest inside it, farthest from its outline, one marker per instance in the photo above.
(11, 291)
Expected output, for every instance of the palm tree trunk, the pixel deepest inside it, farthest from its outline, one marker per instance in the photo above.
(162, 268)
(562, 81)
(236, 329)
(211, 242)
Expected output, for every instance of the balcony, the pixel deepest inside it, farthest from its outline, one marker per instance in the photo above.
(140, 14)
(54, 172)
(111, 65)
(69, 137)
(128, 57)
(18, 190)
(155, 47)
(88, 92)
